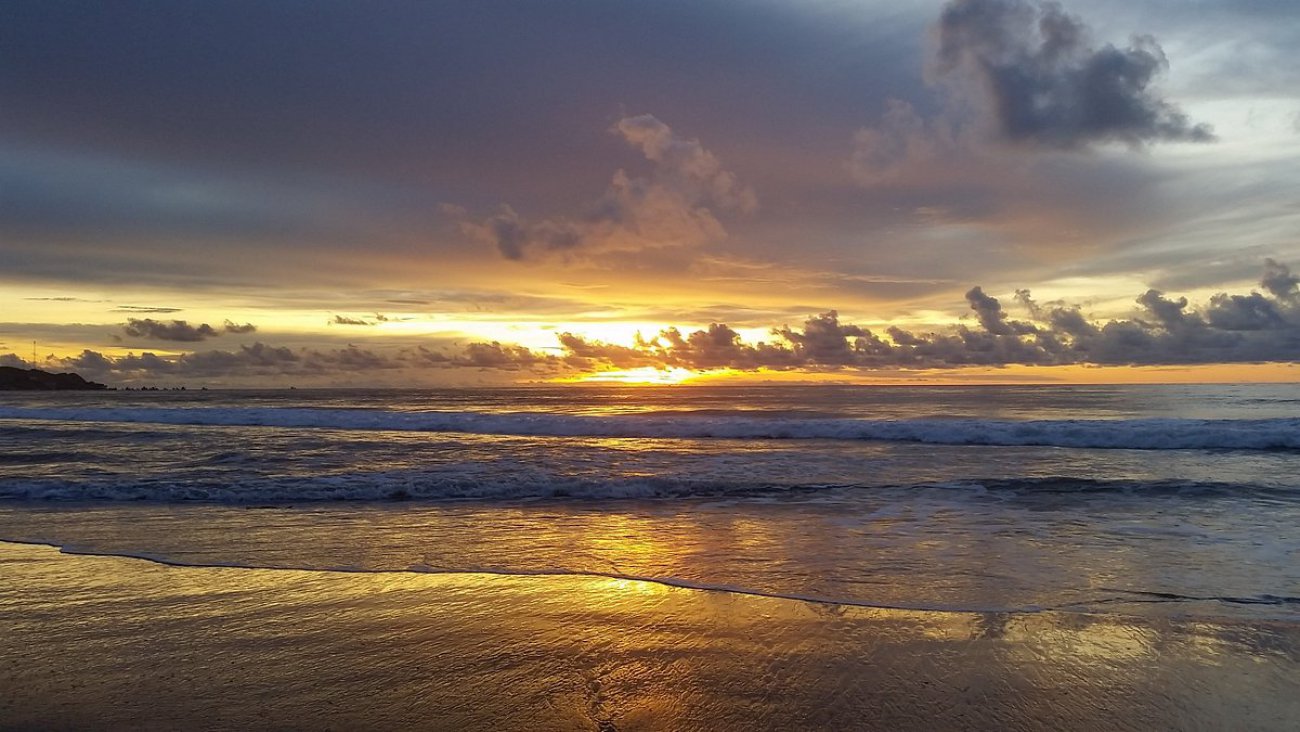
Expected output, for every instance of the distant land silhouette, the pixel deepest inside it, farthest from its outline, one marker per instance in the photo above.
(15, 379)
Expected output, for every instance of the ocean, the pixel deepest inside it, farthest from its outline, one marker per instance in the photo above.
(1166, 501)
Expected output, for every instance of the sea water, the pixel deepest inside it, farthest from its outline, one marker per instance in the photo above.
(1168, 500)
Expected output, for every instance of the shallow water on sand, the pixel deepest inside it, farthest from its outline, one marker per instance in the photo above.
(984, 552)
(114, 643)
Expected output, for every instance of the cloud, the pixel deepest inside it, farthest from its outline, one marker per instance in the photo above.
(675, 206)
(375, 319)
(686, 164)
(1025, 73)
(1032, 69)
(1279, 282)
(345, 320)
(901, 139)
(176, 330)
(181, 330)
(1243, 312)
(497, 356)
(989, 311)
(272, 363)
(513, 237)
(144, 309)
(1164, 330)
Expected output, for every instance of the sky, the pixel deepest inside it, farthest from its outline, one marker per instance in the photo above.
(445, 193)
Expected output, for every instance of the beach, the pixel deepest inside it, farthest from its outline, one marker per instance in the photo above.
(588, 365)
(760, 558)
(123, 643)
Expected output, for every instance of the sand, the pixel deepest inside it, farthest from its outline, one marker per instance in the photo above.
(124, 643)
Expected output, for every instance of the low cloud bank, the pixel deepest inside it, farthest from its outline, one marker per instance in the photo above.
(1260, 326)
(1255, 327)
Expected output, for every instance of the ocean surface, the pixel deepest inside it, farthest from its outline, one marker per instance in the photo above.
(1153, 500)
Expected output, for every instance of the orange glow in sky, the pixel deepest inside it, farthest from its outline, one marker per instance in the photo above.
(643, 375)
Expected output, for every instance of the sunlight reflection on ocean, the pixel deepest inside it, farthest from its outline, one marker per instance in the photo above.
(1178, 500)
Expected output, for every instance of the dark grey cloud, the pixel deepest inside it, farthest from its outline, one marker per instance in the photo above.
(181, 330)
(175, 330)
(1279, 281)
(1243, 312)
(495, 355)
(989, 312)
(1023, 72)
(1033, 67)
(824, 340)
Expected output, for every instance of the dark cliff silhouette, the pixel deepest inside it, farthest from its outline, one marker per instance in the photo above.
(15, 379)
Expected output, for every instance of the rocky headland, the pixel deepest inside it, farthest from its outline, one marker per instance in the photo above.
(16, 379)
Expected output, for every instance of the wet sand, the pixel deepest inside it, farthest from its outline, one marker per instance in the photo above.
(117, 643)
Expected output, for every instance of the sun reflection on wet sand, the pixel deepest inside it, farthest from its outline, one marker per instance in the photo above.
(925, 556)
(114, 642)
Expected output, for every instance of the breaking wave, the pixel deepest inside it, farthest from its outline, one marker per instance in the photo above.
(1139, 434)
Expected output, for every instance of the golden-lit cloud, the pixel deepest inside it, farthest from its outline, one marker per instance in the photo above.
(1230, 328)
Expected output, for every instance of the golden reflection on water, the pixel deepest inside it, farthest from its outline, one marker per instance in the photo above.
(113, 642)
(884, 559)
(621, 539)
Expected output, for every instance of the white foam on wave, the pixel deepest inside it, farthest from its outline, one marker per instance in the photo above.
(1141, 434)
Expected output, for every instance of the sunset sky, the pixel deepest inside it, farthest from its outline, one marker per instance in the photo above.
(426, 193)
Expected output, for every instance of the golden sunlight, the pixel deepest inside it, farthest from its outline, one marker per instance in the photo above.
(642, 375)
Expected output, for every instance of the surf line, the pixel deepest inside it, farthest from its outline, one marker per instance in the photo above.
(675, 583)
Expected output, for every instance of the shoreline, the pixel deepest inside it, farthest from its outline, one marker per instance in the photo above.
(115, 642)
(1079, 608)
